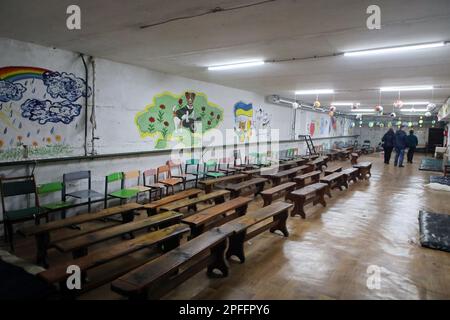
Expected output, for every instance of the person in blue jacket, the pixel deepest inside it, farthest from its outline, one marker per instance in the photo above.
(388, 144)
(400, 146)
(411, 142)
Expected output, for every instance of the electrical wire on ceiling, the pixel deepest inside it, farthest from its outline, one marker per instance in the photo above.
(211, 11)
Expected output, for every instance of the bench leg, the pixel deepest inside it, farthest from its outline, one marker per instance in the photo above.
(208, 188)
(259, 188)
(171, 244)
(267, 200)
(281, 223)
(328, 190)
(241, 211)
(298, 207)
(236, 246)
(234, 194)
(42, 243)
(196, 231)
(321, 197)
(219, 200)
(219, 262)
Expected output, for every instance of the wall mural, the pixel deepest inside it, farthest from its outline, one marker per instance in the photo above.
(38, 109)
(250, 120)
(178, 118)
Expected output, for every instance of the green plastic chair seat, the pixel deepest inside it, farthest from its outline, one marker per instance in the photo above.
(124, 193)
(56, 205)
(215, 174)
(22, 213)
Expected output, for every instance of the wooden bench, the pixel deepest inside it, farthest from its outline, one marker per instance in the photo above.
(329, 171)
(205, 219)
(354, 159)
(332, 155)
(237, 188)
(311, 157)
(352, 174)
(191, 204)
(157, 277)
(249, 226)
(208, 184)
(335, 180)
(289, 174)
(313, 193)
(152, 207)
(364, 169)
(269, 195)
(314, 177)
(42, 232)
(317, 164)
(79, 245)
(167, 239)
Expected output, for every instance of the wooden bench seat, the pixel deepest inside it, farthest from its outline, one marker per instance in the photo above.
(311, 157)
(314, 177)
(217, 196)
(352, 174)
(313, 193)
(269, 195)
(364, 169)
(205, 219)
(249, 226)
(157, 277)
(335, 180)
(238, 188)
(329, 171)
(167, 238)
(42, 232)
(79, 245)
(289, 174)
(152, 207)
(318, 164)
(208, 184)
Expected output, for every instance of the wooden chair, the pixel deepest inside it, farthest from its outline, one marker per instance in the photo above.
(136, 175)
(224, 166)
(122, 193)
(163, 176)
(176, 171)
(150, 181)
(88, 193)
(46, 189)
(19, 186)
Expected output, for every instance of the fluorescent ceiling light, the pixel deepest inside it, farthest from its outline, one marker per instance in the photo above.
(237, 65)
(337, 104)
(362, 110)
(407, 88)
(394, 49)
(416, 103)
(316, 91)
(414, 110)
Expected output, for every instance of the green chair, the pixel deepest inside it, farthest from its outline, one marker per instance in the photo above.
(122, 193)
(192, 166)
(210, 169)
(14, 187)
(46, 189)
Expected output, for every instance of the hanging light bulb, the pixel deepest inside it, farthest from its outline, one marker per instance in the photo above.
(317, 104)
(393, 115)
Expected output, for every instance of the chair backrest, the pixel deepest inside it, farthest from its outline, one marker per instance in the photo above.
(150, 173)
(210, 165)
(18, 186)
(237, 156)
(76, 176)
(164, 171)
(175, 167)
(191, 163)
(50, 187)
(129, 175)
(224, 163)
(113, 177)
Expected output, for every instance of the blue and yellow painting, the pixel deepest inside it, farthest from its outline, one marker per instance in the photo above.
(243, 115)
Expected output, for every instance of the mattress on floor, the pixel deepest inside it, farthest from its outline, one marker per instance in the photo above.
(431, 164)
(434, 230)
(440, 179)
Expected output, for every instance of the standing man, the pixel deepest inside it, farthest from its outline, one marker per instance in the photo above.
(400, 146)
(388, 144)
(411, 142)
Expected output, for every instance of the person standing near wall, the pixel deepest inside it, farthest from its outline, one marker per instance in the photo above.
(400, 146)
(388, 144)
(411, 142)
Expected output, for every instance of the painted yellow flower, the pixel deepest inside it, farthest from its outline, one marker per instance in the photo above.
(58, 138)
(49, 140)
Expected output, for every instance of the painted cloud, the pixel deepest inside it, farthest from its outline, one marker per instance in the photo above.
(11, 91)
(48, 111)
(64, 85)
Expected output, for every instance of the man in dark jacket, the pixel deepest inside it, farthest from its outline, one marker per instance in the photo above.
(388, 144)
(411, 142)
(400, 146)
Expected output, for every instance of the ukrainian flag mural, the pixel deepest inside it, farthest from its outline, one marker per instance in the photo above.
(243, 115)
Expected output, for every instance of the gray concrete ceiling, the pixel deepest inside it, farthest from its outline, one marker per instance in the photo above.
(281, 29)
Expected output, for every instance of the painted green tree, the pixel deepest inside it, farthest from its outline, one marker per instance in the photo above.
(178, 117)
